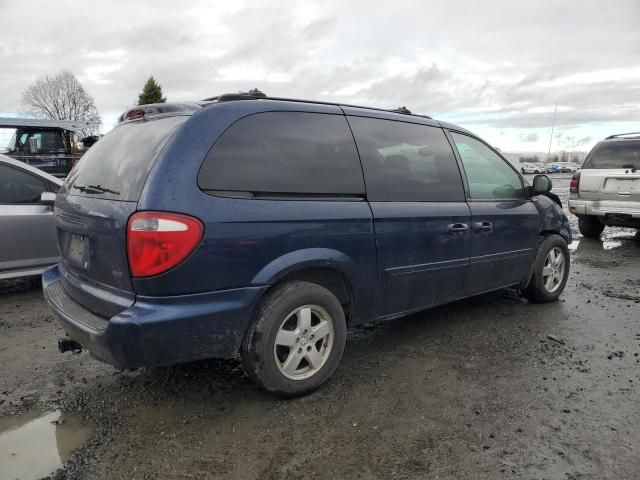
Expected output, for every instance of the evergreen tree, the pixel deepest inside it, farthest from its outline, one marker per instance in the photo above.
(151, 93)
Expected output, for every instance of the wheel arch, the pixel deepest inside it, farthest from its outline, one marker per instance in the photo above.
(326, 267)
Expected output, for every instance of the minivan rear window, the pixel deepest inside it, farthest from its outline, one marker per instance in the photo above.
(291, 153)
(117, 166)
(625, 154)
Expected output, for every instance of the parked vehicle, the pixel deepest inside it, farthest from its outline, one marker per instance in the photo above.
(532, 168)
(28, 243)
(606, 190)
(564, 167)
(49, 145)
(264, 227)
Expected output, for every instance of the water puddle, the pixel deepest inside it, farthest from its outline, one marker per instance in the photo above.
(34, 445)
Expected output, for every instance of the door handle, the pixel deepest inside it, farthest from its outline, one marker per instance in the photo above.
(458, 227)
(483, 227)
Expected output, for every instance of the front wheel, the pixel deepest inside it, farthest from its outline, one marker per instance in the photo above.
(550, 270)
(297, 339)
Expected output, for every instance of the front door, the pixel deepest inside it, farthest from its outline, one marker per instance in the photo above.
(504, 222)
(421, 219)
(28, 234)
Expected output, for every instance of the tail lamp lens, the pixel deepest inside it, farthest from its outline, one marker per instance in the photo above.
(575, 182)
(158, 241)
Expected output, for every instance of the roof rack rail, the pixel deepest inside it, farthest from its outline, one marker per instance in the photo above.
(404, 110)
(225, 97)
(622, 135)
(256, 94)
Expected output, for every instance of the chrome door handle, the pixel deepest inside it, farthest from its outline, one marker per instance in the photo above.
(458, 227)
(483, 227)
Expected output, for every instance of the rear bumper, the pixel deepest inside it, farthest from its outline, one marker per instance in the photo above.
(603, 208)
(157, 331)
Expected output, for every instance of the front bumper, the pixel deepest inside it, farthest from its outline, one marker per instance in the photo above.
(157, 331)
(602, 208)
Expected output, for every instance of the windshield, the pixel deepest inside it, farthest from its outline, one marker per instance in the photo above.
(117, 166)
(624, 154)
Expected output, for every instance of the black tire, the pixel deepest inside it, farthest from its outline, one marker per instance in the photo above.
(590, 226)
(259, 345)
(536, 291)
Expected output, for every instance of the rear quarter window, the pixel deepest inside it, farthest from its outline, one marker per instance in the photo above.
(292, 153)
(624, 154)
(117, 166)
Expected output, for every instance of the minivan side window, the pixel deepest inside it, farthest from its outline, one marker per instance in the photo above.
(17, 186)
(406, 162)
(285, 153)
(488, 175)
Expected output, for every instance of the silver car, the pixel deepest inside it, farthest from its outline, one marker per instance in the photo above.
(606, 191)
(28, 241)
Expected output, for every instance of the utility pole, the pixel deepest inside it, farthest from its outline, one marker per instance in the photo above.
(552, 127)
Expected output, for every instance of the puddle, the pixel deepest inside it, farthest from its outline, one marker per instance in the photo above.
(34, 445)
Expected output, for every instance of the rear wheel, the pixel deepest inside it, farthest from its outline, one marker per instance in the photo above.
(590, 226)
(297, 339)
(550, 270)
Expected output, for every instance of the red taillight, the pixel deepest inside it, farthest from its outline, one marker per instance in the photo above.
(158, 241)
(575, 182)
(135, 113)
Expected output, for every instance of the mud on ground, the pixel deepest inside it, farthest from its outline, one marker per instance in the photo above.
(491, 387)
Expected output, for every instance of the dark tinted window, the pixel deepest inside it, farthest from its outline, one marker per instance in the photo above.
(17, 186)
(285, 152)
(489, 176)
(117, 166)
(406, 162)
(624, 154)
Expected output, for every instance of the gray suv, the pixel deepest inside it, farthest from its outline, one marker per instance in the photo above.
(606, 191)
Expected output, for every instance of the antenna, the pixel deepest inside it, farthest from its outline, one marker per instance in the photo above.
(551, 136)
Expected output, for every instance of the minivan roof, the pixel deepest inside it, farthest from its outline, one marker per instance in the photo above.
(256, 94)
(188, 108)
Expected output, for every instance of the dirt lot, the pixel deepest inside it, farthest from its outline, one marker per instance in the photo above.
(491, 387)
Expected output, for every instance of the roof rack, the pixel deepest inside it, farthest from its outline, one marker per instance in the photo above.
(256, 94)
(622, 135)
(253, 94)
(403, 110)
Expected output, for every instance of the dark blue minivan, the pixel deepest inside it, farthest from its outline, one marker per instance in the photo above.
(263, 228)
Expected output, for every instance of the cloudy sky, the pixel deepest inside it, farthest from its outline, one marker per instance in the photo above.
(495, 67)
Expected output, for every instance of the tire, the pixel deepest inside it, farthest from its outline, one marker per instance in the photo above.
(542, 288)
(590, 226)
(276, 352)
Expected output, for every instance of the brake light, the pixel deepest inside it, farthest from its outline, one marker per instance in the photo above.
(158, 241)
(134, 113)
(575, 182)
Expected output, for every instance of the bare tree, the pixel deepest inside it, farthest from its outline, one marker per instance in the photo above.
(61, 97)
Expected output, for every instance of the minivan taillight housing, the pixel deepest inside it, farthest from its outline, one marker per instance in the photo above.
(575, 182)
(158, 241)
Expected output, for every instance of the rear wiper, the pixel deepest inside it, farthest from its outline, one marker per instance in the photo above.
(94, 189)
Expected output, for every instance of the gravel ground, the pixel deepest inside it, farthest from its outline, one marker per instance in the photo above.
(490, 387)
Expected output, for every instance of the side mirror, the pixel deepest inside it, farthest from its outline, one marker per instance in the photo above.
(541, 185)
(47, 198)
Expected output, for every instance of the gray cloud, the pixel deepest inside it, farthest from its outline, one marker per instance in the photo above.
(499, 64)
